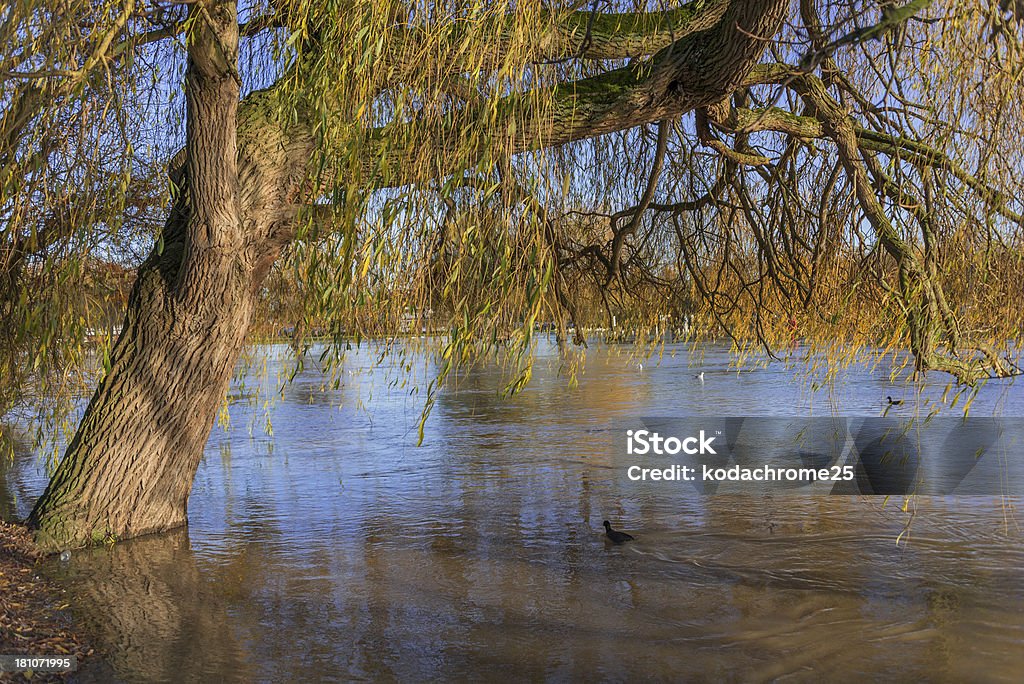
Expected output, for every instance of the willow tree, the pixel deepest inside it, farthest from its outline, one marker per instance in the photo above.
(742, 162)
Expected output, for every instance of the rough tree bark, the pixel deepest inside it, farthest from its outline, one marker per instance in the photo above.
(129, 468)
(124, 473)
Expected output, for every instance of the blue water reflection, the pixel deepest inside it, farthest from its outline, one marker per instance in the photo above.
(335, 548)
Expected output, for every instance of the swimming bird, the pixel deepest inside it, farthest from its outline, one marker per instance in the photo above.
(700, 376)
(615, 535)
(895, 402)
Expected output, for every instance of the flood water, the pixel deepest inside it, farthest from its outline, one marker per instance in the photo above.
(336, 549)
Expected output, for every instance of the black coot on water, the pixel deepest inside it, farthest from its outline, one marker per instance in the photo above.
(615, 535)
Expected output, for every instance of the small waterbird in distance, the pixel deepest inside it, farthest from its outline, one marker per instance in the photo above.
(615, 535)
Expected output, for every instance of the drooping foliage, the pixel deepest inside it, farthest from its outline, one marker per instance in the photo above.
(81, 188)
(755, 217)
(482, 168)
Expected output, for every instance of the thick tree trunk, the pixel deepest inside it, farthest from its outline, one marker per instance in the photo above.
(129, 469)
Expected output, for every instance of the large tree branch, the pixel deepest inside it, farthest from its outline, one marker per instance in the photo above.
(581, 34)
(611, 36)
(691, 72)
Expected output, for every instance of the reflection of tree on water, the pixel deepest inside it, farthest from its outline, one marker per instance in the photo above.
(611, 389)
(153, 613)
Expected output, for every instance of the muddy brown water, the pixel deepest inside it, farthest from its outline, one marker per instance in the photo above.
(335, 549)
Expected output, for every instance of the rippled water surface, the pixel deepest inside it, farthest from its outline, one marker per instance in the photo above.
(335, 549)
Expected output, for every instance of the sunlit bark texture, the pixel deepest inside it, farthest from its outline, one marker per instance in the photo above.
(128, 470)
